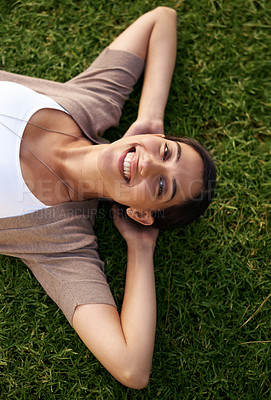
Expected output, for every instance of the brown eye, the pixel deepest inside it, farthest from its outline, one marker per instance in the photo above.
(160, 187)
(165, 153)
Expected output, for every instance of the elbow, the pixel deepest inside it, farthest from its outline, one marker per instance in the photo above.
(167, 11)
(135, 379)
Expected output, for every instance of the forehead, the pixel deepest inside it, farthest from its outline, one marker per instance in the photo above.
(187, 173)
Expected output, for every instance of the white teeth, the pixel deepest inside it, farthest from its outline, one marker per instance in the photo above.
(127, 165)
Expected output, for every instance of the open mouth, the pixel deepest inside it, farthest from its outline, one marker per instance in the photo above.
(126, 166)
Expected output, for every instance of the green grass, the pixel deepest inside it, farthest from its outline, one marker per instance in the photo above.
(213, 331)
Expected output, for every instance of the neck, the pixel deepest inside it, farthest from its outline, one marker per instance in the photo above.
(79, 169)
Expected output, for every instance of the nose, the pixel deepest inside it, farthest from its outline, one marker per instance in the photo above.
(149, 165)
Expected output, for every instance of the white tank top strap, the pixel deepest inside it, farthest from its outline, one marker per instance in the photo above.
(17, 105)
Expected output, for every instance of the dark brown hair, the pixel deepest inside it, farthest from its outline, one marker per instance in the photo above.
(191, 209)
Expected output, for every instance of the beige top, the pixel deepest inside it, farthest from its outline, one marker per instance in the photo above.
(58, 243)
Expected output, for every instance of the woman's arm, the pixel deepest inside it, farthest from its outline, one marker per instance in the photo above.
(124, 344)
(153, 38)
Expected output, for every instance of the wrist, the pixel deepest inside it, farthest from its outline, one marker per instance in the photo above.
(153, 125)
(142, 247)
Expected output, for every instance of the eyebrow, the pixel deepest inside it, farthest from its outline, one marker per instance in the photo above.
(174, 185)
(179, 152)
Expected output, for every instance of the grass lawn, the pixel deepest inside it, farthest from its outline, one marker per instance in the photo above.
(213, 278)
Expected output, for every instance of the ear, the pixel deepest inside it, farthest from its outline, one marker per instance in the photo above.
(144, 217)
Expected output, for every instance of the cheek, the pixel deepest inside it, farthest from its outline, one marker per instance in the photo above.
(120, 192)
(132, 196)
(139, 195)
(143, 194)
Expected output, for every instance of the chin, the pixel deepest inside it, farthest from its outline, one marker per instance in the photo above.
(104, 164)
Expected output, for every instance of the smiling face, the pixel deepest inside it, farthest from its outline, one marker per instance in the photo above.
(150, 172)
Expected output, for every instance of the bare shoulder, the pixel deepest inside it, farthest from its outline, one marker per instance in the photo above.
(47, 133)
(48, 119)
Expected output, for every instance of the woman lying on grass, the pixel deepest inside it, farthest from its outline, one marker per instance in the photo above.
(54, 167)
